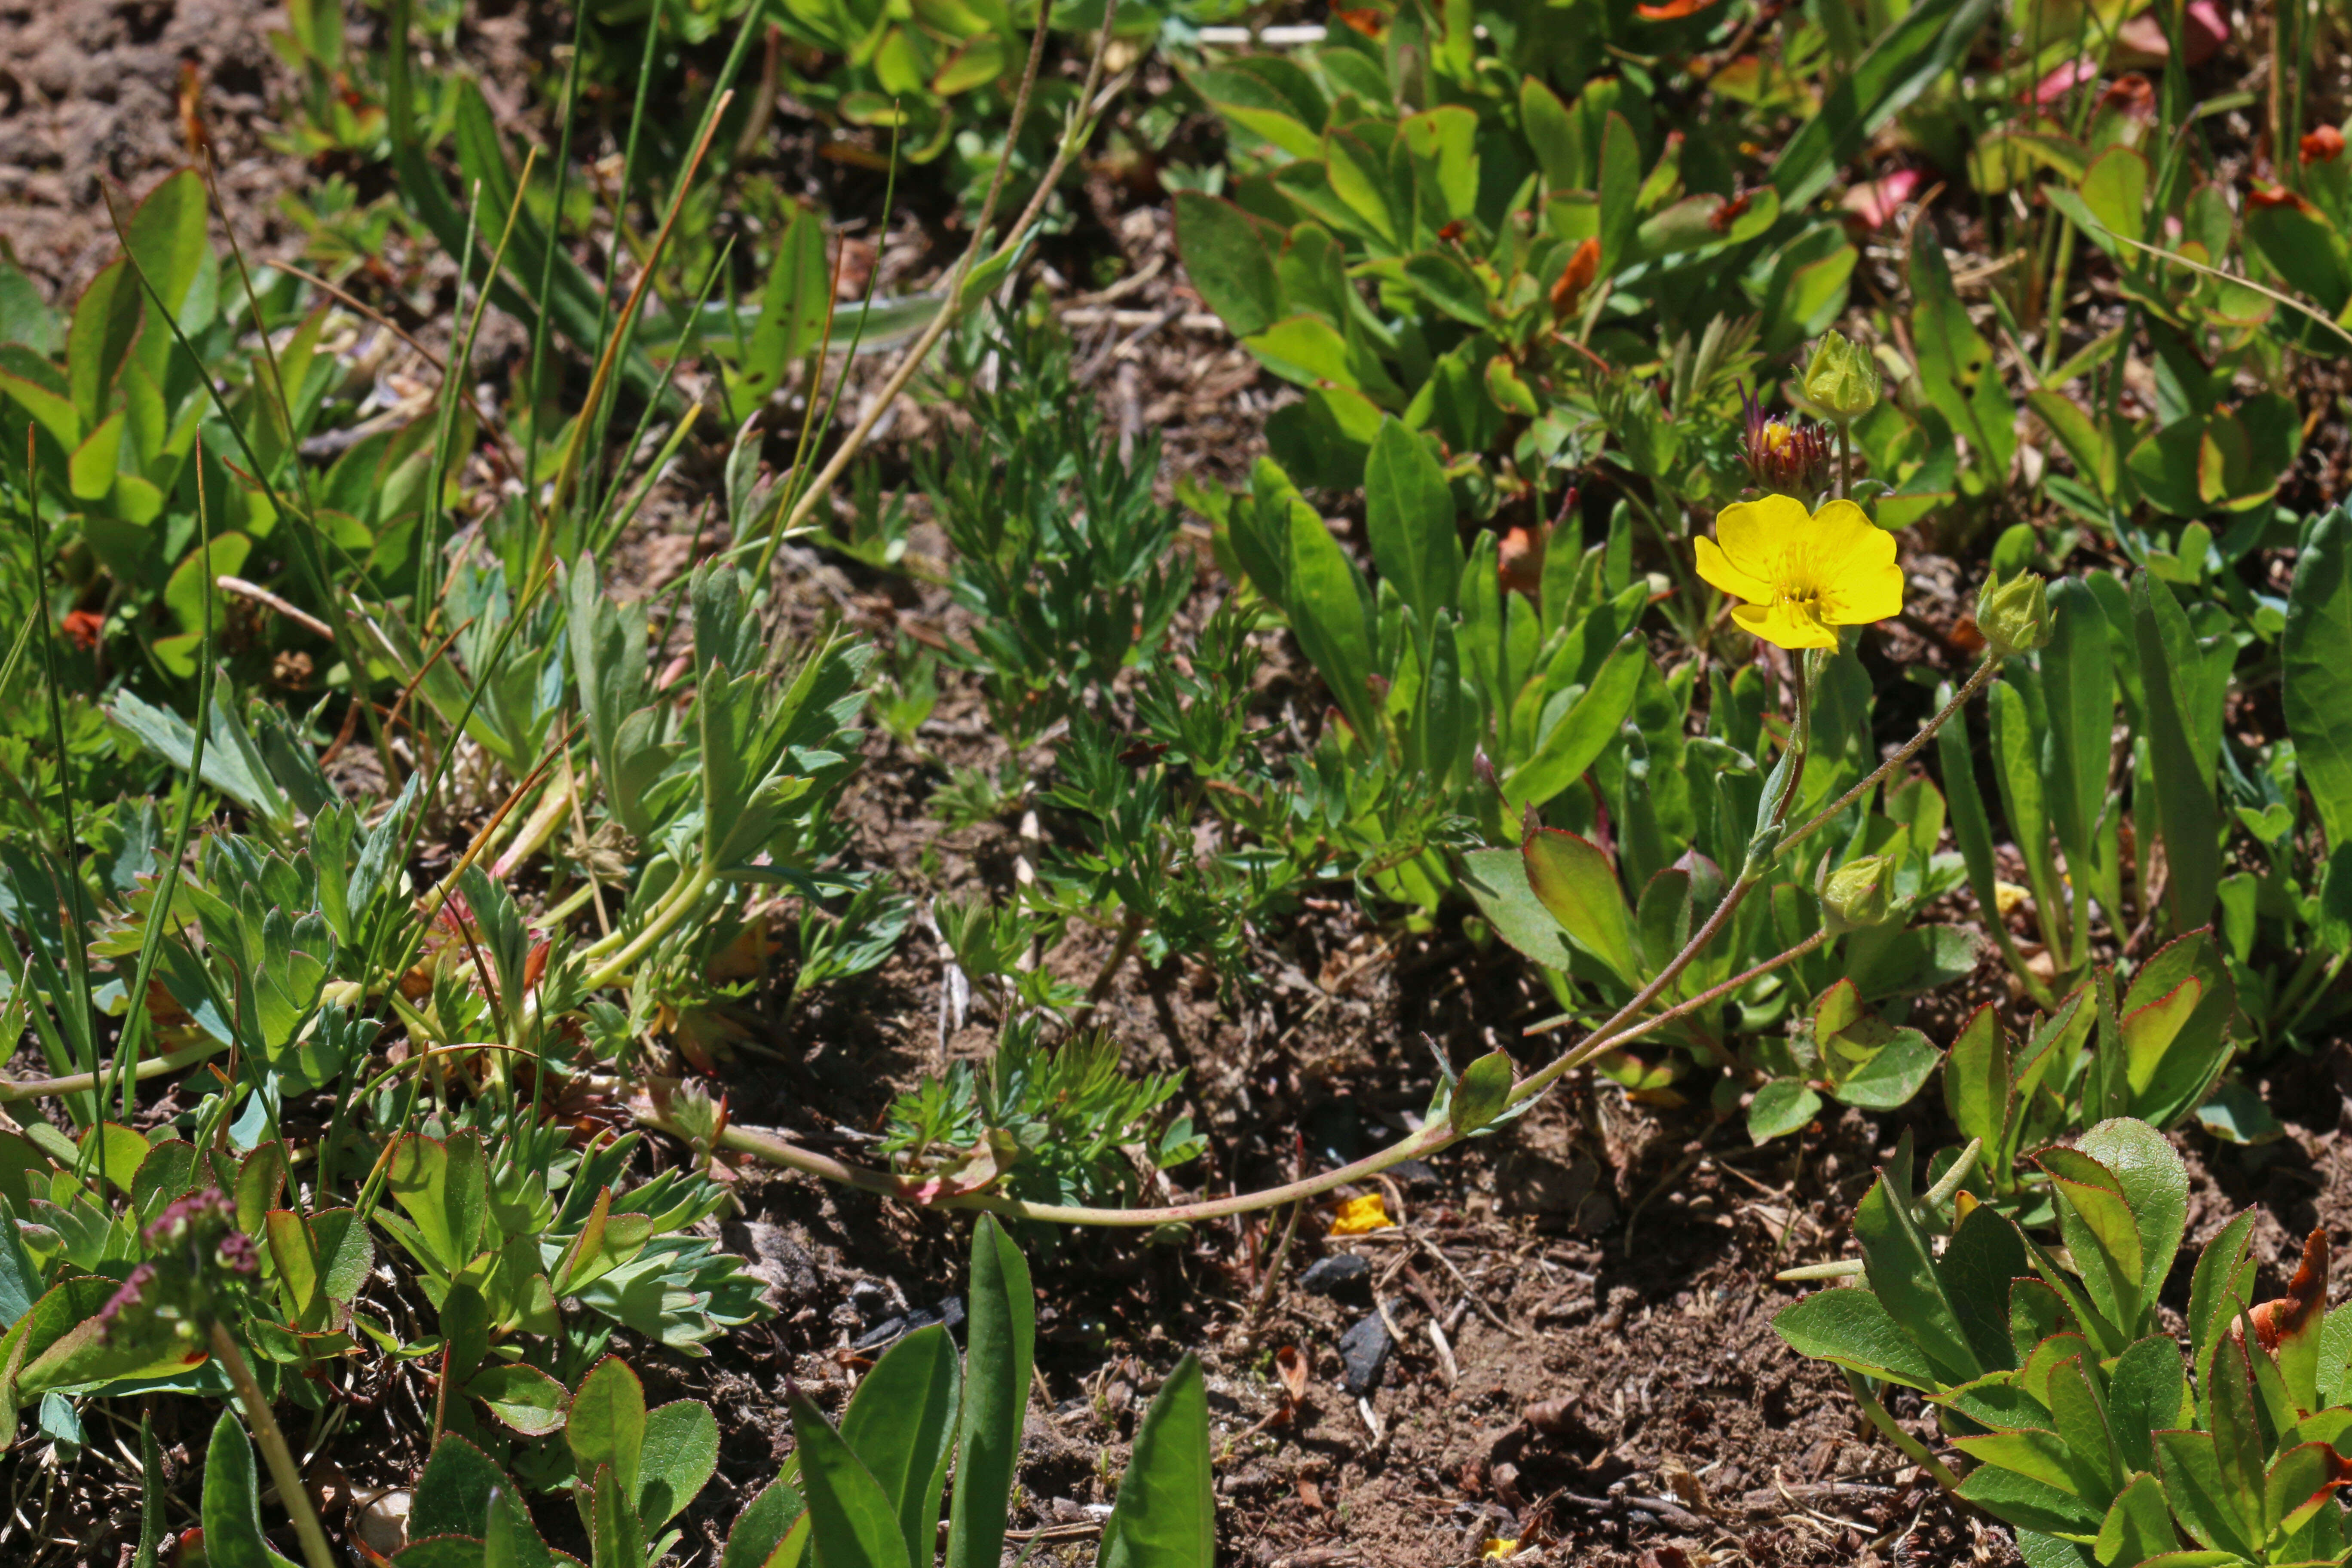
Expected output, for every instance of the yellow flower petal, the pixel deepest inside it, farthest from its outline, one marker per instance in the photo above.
(1357, 1215)
(1716, 569)
(1802, 572)
(1784, 624)
(1758, 535)
(1859, 598)
(1497, 1549)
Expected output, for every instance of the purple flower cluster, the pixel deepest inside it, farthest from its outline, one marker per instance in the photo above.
(195, 1246)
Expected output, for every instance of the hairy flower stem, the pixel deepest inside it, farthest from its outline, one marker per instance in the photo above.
(272, 1442)
(1432, 1138)
(1975, 683)
(1621, 1029)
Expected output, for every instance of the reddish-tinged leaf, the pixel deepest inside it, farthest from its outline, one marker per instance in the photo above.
(1582, 267)
(1292, 1367)
(1673, 10)
(2278, 197)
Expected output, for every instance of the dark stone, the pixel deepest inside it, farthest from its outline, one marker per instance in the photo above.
(1363, 1355)
(880, 1335)
(1328, 1276)
(949, 1313)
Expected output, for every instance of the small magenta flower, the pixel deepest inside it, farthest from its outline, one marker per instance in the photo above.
(197, 1256)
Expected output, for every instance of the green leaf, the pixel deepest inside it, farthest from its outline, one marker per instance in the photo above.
(120, 1153)
(1166, 1512)
(851, 1521)
(2138, 1526)
(901, 1426)
(443, 1189)
(793, 304)
(2298, 1482)
(1979, 1267)
(89, 472)
(1331, 615)
(1000, 1332)
(1903, 1273)
(509, 1540)
(1621, 191)
(231, 1507)
(1576, 882)
(2202, 1498)
(2238, 1443)
(106, 323)
(2156, 1184)
(452, 1493)
(1551, 132)
(607, 1423)
(1894, 1074)
(1578, 738)
(1977, 1082)
(1409, 520)
(1780, 1107)
(2315, 653)
(2078, 692)
(2076, 1413)
(1229, 256)
(1851, 1328)
(522, 1397)
(1496, 881)
(2169, 662)
(2148, 1391)
(2021, 1501)
(24, 317)
(2097, 1223)
(613, 1535)
(771, 1533)
(2115, 192)
(1955, 364)
(680, 1450)
(1484, 1090)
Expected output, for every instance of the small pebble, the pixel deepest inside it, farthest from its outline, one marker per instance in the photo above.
(950, 1312)
(1363, 1353)
(1328, 1276)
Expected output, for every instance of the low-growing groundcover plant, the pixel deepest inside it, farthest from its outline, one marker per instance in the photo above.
(2077, 1418)
(351, 792)
(863, 1493)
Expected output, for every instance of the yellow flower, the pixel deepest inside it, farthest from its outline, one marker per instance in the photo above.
(1498, 1550)
(1357, 1215)
(1801, 574)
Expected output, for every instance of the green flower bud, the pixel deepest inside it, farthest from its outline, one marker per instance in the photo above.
(1842, 382)
(1859, 893)
(2014, 615)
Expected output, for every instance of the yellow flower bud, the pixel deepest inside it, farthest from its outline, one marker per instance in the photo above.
(1842, 382)
(1859, 893)
(2014, 616)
